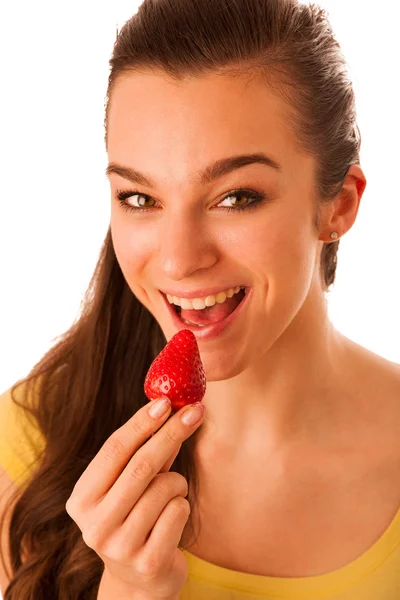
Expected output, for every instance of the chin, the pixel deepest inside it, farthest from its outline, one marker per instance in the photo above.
(220, 367)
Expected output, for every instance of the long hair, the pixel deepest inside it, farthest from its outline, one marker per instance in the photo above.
(91, 380)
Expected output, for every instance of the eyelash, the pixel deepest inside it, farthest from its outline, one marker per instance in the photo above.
(257, 197)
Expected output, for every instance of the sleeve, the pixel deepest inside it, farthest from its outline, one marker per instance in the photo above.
(21, 443)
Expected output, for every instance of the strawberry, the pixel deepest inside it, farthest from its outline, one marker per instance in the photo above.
(177, 372)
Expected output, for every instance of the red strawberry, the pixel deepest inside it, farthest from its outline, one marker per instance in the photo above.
(177, 372)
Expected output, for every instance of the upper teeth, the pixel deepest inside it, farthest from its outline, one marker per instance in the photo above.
(200, 303)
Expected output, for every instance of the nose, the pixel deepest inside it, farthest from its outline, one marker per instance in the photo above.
(185, 246)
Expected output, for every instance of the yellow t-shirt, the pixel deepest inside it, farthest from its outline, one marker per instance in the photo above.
(21, 443)
(375, 575)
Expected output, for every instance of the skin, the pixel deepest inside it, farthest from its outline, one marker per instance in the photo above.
(283, 382)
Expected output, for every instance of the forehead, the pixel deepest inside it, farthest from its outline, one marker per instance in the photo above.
(142, 98)
(155, 120)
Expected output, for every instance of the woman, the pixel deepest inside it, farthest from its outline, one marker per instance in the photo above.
(233, 163)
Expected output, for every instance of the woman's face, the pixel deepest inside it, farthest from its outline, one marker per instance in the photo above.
(185, 238)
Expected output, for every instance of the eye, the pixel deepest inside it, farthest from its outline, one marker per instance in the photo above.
(245, 197)
(137, 201)
(249, 200)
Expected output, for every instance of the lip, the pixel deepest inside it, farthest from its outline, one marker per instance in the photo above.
(214, 329)
(201, 293)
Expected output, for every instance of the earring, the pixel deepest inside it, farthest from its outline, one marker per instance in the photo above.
(334, 235)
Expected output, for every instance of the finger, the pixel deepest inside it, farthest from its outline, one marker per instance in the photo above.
(116, 510)
(149, 460)
(166, 467)
(136, 528)
(167, 532)
(113, 456)
(168, 464)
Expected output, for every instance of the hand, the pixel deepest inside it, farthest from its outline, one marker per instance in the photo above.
(132, 510)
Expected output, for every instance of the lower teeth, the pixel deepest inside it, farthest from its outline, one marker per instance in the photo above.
(192, 324)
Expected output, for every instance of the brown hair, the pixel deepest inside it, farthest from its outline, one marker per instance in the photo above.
(91, 380)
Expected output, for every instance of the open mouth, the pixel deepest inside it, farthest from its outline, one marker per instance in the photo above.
(211, 322)
(210, 314)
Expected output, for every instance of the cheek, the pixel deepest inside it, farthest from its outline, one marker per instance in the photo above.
(281, 246)
(132, 249)
(289, 272)
(272, 251)
(132, 246)
(280, 257)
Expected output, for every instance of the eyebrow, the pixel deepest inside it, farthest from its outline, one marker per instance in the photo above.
(214, 171)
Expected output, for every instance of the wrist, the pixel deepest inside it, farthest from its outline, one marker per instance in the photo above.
(111, 587)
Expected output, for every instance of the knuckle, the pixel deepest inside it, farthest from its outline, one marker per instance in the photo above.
(90, 536)
(116, 551)
(169, 484)
(183, 484)
(69, 507)
(159, 486)
(178, 483)
(73, 507)
(180, 507)
(113, 448)
(148, 566)
(172, 435)
(140, 427)
(140, 468)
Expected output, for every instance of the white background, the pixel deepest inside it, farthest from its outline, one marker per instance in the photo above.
(55, 199)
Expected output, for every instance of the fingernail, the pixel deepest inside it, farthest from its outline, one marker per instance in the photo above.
(159, 407)
(193, 414)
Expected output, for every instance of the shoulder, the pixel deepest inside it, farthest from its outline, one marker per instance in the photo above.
(372, 384)
(21, 441)
(374, 369)
(380, 385)
(15, 408)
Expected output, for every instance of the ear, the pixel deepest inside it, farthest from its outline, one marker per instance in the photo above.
(341, 214)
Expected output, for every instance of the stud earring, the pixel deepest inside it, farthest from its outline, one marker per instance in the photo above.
(334, 235)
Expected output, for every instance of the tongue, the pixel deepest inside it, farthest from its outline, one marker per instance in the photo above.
(212, 314)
